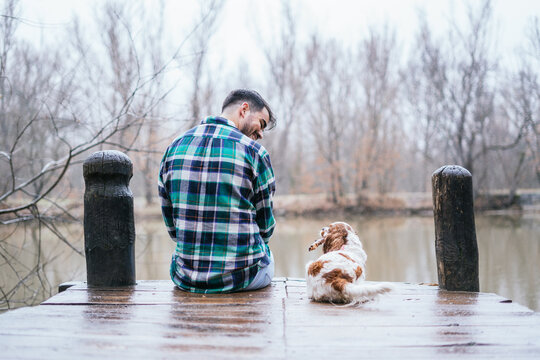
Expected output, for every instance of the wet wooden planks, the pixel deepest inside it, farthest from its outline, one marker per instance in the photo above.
(155, 320)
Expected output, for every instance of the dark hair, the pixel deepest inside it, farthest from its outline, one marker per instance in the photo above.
(255, 101)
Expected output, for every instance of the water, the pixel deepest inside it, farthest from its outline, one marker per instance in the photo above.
(398, 248)
(403, 249)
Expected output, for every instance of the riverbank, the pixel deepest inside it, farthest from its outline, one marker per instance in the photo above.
(399, 203)
(389, 204)
(368, 203)
(322, 205)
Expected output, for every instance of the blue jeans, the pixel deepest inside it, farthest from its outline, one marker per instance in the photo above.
(263, 277)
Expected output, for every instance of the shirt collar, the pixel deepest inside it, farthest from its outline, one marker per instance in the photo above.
(219, 121)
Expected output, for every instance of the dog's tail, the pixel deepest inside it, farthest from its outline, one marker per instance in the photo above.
(365, 291)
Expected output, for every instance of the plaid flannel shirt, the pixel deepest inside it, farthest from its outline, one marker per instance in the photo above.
(216, 187)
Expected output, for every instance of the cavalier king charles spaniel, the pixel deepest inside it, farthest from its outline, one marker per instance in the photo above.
(338, 275)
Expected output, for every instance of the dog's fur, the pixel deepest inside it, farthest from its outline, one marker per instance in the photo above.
(338, 275)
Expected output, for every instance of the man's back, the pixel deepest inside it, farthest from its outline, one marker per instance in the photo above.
(216, 186)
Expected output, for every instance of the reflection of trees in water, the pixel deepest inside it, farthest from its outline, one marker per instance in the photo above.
(153, 250)
(399, 249)
(57, 104)
(504, 221)
(509, 250)
(28, 268)
(37, 256)
(290, 245)
(403, 249)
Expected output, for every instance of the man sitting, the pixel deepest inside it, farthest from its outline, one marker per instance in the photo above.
(216, 185)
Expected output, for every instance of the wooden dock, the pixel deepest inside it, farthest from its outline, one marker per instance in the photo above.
(153, 320)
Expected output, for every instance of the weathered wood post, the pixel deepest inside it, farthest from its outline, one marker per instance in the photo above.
(109, 226)
(455, 234)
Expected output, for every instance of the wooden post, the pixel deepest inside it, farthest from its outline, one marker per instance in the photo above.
(455, 234)
(109, 227)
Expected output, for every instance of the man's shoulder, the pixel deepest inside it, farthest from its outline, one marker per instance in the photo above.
(225, 133)
(253, 145)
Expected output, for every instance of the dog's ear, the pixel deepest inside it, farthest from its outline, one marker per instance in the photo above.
(335, 238)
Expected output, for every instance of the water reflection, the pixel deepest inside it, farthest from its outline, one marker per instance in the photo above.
(455, 310)
(509, 250)
(403, 249)
(398, 248)
(33, 261)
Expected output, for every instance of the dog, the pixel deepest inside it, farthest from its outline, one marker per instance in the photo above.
(338, 275)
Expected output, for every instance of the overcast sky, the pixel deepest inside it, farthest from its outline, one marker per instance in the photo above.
(346, 19)
(343, 18)
(243, 23)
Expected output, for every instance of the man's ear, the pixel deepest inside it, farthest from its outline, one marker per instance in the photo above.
(244, 108)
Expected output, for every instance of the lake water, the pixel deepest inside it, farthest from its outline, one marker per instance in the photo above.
(398, 248)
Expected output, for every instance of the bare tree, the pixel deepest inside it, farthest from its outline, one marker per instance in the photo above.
(521, 108)
(8, 27)
(33, 117)
(202, 91)
(530, 94)
(148, 160)
(32, 154)
(287, 88)
(457, 88)
(330, 111)
(375, 129)
(424, 84)
(57, 106)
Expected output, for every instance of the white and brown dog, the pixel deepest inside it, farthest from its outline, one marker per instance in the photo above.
(338, 275)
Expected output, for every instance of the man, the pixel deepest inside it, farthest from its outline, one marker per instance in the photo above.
(216, 185)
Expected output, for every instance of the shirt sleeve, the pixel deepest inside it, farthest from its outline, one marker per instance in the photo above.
(264, 190)
(166, 206)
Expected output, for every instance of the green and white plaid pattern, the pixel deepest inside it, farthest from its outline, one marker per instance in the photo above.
(216, 187)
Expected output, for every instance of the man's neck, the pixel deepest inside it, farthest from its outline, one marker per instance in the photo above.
(230, 118)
